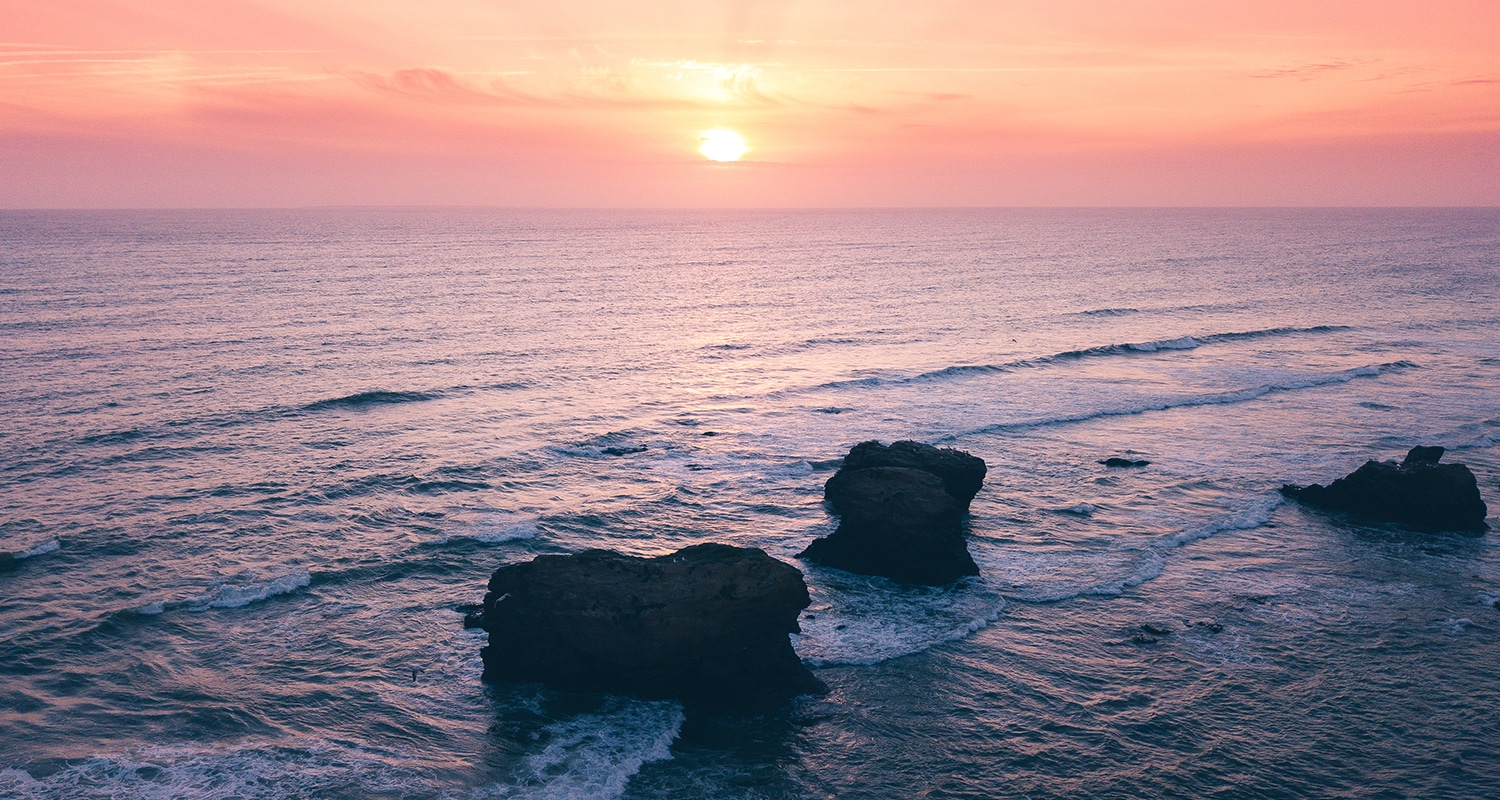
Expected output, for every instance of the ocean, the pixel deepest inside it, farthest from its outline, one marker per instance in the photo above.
(257, 463)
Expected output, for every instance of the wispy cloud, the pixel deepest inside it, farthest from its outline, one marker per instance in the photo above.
(1306, 72)
(435, 84)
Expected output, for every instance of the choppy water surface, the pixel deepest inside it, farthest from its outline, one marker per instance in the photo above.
(254, 462)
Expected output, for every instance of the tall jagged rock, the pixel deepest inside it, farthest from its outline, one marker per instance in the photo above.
(901, 513)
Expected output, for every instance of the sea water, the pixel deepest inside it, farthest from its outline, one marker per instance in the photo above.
(256, 463)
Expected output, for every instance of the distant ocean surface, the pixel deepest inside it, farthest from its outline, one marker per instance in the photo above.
(256, 462)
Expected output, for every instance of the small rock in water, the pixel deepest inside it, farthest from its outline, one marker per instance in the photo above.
(1419, 493)
(625, 450)
(1116, 461)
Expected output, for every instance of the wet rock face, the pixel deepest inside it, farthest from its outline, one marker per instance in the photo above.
(898, 522)
(1418, 493)
(707, 624)
(961, 473)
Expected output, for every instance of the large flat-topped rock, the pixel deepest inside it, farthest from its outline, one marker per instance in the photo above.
(707, 624)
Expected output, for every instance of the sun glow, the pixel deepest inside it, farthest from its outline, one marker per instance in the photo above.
(722, 144)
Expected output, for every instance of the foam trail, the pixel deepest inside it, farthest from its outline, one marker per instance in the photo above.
(866, 620)
(1144, 564)
(1141, 566)
(1253, 515)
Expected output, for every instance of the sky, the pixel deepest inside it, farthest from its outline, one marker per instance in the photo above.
(588, 103)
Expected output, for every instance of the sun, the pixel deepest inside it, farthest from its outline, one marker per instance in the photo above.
(722, 144)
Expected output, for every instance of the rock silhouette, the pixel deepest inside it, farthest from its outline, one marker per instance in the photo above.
(707, 624)
(961, 473)
(1418, 493)
(900, 513)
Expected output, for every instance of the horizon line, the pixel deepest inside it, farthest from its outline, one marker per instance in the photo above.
(482, 207)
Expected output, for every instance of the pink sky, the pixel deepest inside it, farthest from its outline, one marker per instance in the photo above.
(107, 103)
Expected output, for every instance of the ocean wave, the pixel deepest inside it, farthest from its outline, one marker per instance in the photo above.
(1469, 436)
(371, 398)
(49, 546)
(611, 444)
(12, 558)
(1251, 515)
(251, 771)
(231, 595)
(1227, 397)
(594, 756)
(1065, 576)
(1124, 349)
(865, 620)
(501, 528)
(1054, 576)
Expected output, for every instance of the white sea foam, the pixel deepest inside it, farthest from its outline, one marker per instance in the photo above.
(594, 756)
(1180, 343)
(1455, 627)
(231, 595)
(585, 757)
(506, 527)
(1251, 514)
(866, 620)
(1046, 577)
(48, 546)
(152, 609)
(259, 771)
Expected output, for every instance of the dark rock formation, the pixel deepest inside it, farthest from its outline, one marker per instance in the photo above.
(707, 624)
(1419, 493)
(961, 473)
(1116, 461)
(895, 521)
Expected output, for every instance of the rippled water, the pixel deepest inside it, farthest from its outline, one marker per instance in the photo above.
(255, 462)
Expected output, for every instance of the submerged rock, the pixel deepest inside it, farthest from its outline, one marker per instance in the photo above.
(1419, 493)
(898, 522)
(707, 624)
(1116, 461)
(961, 473)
